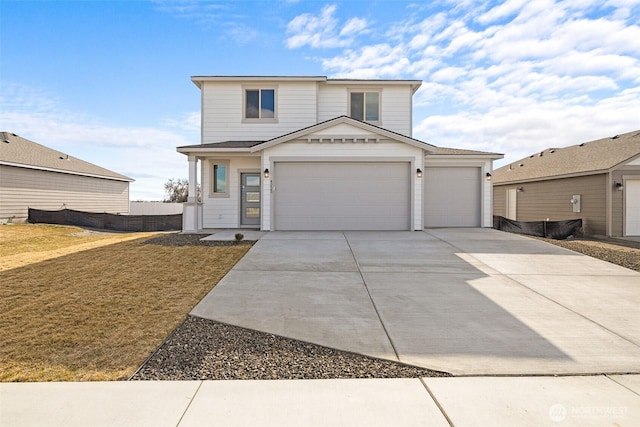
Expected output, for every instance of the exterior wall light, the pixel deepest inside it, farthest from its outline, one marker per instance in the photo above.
(618, 186)
(519, 189)
(266, 173)
(419, 173)
(488, 176)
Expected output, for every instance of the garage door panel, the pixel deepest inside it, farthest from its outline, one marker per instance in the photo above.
(342, 196)
(452, 197)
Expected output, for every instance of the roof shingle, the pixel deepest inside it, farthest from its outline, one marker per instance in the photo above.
(16, 150)
(587, 158)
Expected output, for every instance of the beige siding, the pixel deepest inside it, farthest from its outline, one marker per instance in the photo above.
(333, 101)
(617, 197)
(222, 111)
(500, 200)
(22, 188)
(551, 199)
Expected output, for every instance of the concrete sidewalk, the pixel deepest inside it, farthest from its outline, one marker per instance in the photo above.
(473, 401)
(464, 301)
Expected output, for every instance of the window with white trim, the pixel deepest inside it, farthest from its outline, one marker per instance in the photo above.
(364, 106)
(220, 178)
(260, 104)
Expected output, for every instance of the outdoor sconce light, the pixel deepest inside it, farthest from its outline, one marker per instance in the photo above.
(488, 175)
(519, 189)
(266, 173)
(618, 186)
(419, 173)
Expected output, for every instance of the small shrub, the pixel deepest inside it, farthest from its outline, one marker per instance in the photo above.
(239, 237)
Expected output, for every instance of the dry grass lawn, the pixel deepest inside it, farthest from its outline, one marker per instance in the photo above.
(95, 313)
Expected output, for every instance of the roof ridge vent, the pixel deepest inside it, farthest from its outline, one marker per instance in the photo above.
(6, 141)
(581, 145)
(615, 137)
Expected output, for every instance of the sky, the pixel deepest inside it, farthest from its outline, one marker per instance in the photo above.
(109, 81)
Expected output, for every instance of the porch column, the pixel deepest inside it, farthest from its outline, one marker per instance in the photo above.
(193, 180)
(191, 209)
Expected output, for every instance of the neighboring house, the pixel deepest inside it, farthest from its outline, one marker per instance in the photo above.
(34, 176)
(312, 153)
(598, 181)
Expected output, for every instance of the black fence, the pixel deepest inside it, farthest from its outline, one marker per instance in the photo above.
(107, 221)
(558, 230)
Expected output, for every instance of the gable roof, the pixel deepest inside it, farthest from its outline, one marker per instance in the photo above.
(340, 120)
(255, 146)
(588, 158)
(20, 152)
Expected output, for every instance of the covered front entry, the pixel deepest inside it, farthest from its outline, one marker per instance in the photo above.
(452, 197)
(342, 196)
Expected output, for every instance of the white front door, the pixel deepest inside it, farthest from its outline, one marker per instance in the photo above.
(632, 207)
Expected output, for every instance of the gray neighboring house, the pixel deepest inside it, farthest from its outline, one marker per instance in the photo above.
(598, 181)
(34, 176)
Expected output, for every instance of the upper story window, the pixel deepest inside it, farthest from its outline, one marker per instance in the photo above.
(365, 106)
(260, 104)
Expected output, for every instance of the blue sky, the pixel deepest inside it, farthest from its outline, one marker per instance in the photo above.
(109, 81)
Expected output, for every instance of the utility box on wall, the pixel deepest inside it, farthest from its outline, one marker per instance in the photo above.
(575, 201)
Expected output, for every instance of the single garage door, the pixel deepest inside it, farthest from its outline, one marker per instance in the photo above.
(452, 197)
(342, 196)
(632, 207)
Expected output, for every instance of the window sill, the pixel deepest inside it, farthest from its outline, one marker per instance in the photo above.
(254, 121)
(218, 195)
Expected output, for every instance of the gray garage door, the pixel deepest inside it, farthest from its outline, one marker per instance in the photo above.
(452, 197)
(342, 196)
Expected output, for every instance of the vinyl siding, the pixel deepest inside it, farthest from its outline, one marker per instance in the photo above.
(551, 199)
(222, 111)
(333, 101)
(617, 198)
(22, 188)
(500, 200)
(224, 212)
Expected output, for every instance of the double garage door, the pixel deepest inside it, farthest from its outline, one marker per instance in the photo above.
(342, 196)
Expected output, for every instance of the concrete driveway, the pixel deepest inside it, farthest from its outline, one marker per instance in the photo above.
(465, 301)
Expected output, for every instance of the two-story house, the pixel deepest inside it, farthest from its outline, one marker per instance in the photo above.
(312, 153)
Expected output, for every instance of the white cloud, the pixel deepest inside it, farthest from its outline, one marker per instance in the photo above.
(321, 31)
(354, 26)
(144, 153)
(501, 11)
(515, 78)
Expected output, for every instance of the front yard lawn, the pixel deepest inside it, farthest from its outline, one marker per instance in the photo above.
(97, 314)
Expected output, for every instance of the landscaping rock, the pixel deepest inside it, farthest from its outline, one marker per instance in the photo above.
(201, 349)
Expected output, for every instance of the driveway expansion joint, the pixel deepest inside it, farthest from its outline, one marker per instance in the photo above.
(364, 282)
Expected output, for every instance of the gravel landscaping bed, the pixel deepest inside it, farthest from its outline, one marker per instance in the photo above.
(625, 254)
(177, 239)
(201, 349)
